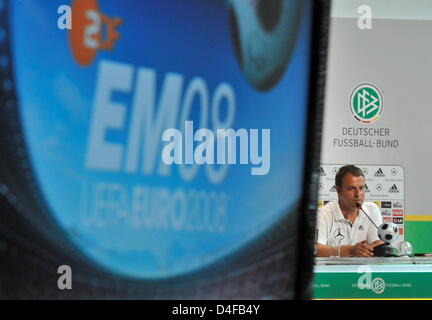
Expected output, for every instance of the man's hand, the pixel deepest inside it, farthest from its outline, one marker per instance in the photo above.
(375, 243)
(361, 249)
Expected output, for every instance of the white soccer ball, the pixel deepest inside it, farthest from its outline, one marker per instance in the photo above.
(388, 232)
(264, 34)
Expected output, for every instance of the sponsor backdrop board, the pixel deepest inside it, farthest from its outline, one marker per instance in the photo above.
(378, 99)
(384, 186)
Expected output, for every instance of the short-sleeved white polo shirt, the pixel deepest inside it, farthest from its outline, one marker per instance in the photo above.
(331, 224)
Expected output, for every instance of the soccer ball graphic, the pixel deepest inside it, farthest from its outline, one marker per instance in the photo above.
(264, 34)
(388, 232)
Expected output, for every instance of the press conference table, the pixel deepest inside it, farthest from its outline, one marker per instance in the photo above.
(376, 278)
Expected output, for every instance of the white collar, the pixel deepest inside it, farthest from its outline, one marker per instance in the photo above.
(339, 215)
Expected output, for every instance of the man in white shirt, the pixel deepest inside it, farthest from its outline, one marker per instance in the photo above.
(342, 224)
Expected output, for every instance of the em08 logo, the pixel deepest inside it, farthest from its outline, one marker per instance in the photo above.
(92, 31)
(366, 103)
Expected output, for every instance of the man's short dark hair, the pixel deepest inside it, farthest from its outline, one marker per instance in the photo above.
(343, 171)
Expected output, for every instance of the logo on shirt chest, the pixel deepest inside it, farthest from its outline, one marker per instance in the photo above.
(338, 235)
(361, 228)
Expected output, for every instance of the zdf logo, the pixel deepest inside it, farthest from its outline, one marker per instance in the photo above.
(365, 281)
(91, 31)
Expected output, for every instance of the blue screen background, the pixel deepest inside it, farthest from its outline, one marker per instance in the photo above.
(191, 38)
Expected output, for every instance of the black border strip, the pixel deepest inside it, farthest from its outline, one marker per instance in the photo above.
(305, 261)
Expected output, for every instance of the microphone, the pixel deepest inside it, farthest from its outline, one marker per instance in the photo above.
(383, 249)
(358, 205)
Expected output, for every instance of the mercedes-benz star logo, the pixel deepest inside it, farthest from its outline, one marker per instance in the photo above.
(338, 235)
